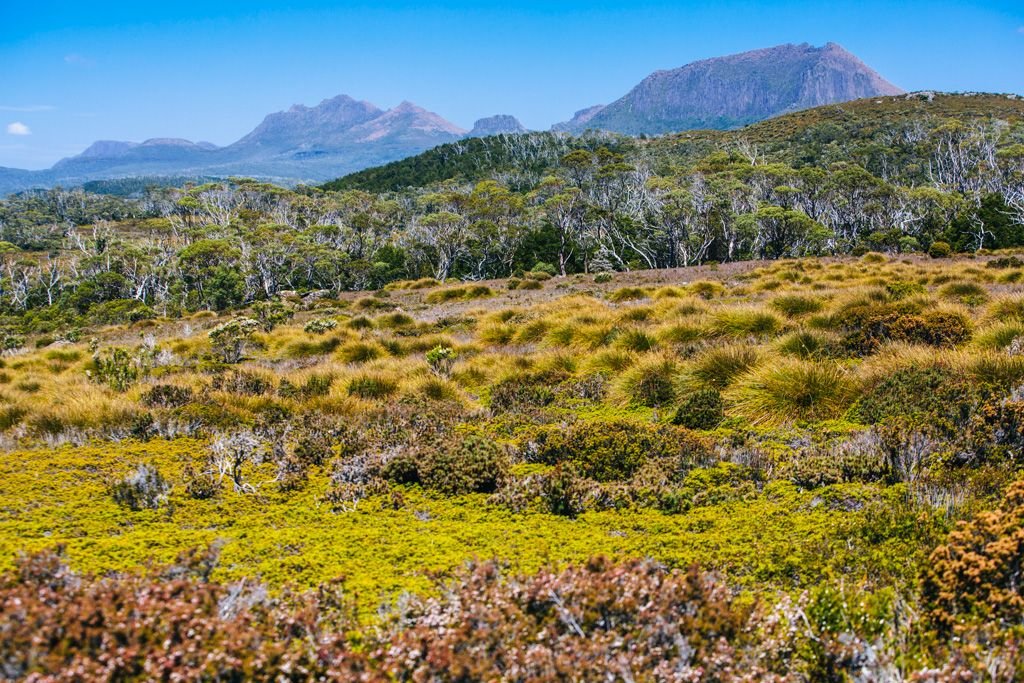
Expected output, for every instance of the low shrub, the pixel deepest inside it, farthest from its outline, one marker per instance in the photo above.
(700, 410)
(243, 383)
(939, 249)
(521, 393)
(868, 327)
(615, 451)
(441, 359)
(116, 368)
(935, 395)
(167, 396)
(230, 339)
(974, 578)
(143, 489)
(319, 326)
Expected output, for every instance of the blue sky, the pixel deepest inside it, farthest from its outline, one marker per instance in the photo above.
(75, 72)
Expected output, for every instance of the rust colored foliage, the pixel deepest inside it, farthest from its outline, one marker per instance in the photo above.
(977, 575)
(634, 621)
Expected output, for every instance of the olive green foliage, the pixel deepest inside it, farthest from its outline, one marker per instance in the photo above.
(703, 409)
(229, 339)
(614, 451)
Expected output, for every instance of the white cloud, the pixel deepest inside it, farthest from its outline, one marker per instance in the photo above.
(18, 128)
(27, 108)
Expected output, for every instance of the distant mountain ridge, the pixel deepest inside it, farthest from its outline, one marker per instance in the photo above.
(342, 135)
(736, 90)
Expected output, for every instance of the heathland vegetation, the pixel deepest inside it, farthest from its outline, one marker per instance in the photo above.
(376, 434)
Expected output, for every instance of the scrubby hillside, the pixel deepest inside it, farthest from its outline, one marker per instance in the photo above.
(808, 431)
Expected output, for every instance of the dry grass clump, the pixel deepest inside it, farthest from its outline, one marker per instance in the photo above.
(744, 322)
(1000, 335)
(796, 305)
(1006, 309)
(650, 383)
(706, 289)
(792, 391)
(718, 367)
(359, 352)
(627, 294)
(466, 293)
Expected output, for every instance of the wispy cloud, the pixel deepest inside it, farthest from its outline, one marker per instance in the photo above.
(27, 108)
(76, 59)
(18, 128)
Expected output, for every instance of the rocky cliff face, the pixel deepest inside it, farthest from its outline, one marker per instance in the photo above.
(496, 125)
(727, 92)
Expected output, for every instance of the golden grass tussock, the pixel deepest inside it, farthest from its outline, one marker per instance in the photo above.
(792, 391)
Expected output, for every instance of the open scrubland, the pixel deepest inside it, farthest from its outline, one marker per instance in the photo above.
(714, 406)
(788, 470)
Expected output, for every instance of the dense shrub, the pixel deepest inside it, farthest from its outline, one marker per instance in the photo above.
(862, 457)
(469, 464)
(935, 395)
(615, 451)
(868, 327)
(700, 410)
(940, 249)
(976, 575)
(229, 339)
(521, 392)
(453, 466)
(167, 396)
(372, 386)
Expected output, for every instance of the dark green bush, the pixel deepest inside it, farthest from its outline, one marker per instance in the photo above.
(521, 392)
(936, 396)
(453, 466)
(700, 410)
(167, 396)
(940, 249)
(614, 451)
(868, 327)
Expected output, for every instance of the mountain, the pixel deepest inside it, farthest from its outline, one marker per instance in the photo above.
(579, 120)
(728, 92)
(342, 135)
(818, 136)
(302, 144)
(323, 125)
(496, 125)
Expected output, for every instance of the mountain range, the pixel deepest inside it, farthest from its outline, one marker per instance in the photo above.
(342, 135)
